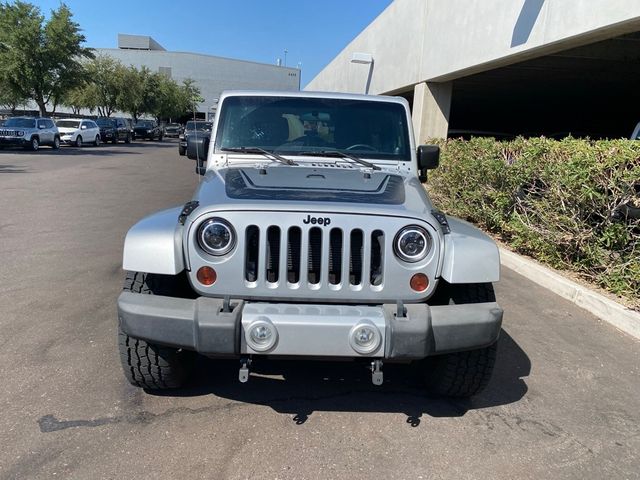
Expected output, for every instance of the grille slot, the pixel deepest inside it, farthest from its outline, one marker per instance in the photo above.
(294, 242)
(377, 249)
(315, 256)
(355, 257)
(272, 263)
(252, 253)
(335, 256)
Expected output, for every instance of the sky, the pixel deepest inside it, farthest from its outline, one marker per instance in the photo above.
(313, 32)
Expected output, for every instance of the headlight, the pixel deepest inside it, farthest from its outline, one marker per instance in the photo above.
(20, 133)
(216, 237)
(412, 244)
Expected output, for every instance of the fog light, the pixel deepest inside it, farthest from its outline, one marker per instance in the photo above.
(419, 282)
(207, 276)
(364, 338)
(262, 335)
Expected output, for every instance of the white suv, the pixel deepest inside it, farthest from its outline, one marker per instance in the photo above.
(78, 131)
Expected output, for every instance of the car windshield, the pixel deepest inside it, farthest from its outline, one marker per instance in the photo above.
(144, 123)
(194, 125)
(173, 125)
(21, 122)
(105, 122)
(291, 125)
(68, 123)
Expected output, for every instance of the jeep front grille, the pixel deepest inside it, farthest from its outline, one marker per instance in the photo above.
(317, 256)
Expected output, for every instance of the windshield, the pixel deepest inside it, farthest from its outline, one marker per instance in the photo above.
(191, 125)
(144, 123)
(21, 122)
(105, 122)
(68, 123)
(370, 129)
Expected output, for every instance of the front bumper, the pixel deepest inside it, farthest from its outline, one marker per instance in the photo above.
(13, 141)
(308, 330)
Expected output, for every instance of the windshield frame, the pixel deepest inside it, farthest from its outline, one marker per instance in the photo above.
(21, 122)
(76, 122)
(394, 110)
(208, 126)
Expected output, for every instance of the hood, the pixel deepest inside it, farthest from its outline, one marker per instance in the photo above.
(334, 188)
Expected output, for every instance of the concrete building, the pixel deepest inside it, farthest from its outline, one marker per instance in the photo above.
(514, 66)
(211, 74)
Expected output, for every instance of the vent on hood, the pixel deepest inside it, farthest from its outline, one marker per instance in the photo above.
(303, 184)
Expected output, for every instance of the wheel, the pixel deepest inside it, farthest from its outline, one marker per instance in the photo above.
(96, 141)
(34, 145)
(56, 143)
(128, 138)
(182, 150)
(115, 138)
(79, 141)
(147, 365)
(461, 374)
(160, 137)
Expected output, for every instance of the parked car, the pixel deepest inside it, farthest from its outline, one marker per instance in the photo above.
(113, 129)
(2, 122)
(148, 129)
(319, 242)
(173, 130)
(193, 128)
(30, 133)
(78, 132)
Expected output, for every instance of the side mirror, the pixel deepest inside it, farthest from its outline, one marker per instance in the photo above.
(83, 127)
(428, 159)
(42, 126)
(197, 148)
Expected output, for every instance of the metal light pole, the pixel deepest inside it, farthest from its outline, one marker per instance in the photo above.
(285, 56)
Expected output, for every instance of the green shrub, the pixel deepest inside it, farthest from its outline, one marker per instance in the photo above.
(572, 204)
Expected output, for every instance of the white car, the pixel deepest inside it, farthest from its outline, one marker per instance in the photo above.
(78, 131)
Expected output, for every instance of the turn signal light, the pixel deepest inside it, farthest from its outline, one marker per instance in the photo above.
(419, 282)
(207, 276)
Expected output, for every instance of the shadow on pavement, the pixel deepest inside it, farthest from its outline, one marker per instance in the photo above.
(12, 169)
(301, 388)
(102, 150)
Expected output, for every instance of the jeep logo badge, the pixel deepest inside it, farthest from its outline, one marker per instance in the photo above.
(317, 220)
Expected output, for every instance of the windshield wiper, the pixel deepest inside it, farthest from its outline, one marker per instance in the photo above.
(266, 153)
(340, 154)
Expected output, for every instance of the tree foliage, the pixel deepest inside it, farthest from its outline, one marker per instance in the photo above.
(40, 60)
(46, 62)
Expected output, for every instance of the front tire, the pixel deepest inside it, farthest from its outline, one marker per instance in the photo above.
(182, 151)
(128, 139)
(147, 365)
(34, 144)
(79, 141)
(56, 143)
(461, 374)
(96, 141)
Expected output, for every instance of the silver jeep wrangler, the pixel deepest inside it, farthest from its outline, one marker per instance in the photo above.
(310, 236)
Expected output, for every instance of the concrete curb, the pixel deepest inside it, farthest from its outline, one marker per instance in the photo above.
(611, 312)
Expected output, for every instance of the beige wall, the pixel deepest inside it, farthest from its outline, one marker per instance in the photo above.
(425, 40)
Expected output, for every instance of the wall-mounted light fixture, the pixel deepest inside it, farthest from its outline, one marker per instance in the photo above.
(364, 59)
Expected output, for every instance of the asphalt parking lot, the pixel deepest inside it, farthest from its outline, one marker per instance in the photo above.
(564, 401)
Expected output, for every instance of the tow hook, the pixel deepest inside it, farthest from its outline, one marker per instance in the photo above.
(377, 377)
(243, 374)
